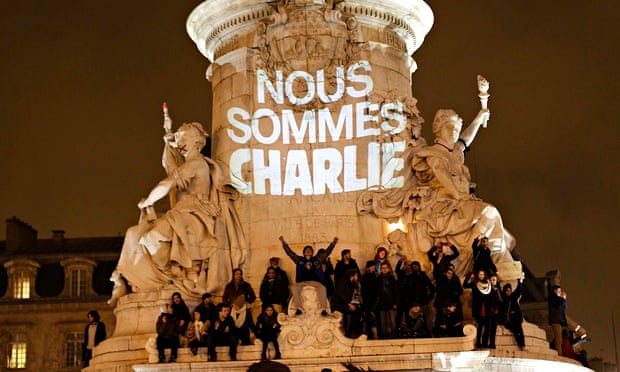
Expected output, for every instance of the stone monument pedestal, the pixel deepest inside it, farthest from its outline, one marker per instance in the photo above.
(136, 315)
(311, 343)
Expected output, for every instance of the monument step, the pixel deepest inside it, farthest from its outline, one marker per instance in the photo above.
(184, 354)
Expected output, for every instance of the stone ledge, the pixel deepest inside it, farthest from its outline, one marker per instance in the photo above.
(360, 347)
(462, 361)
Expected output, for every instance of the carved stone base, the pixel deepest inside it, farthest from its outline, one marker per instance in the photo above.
(311, 342)
(136, 315)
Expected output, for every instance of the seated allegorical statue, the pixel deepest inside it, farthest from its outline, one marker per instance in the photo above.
(196, 243)
(438, 204)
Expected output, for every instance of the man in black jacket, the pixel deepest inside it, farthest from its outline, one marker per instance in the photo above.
(421, 290)
(482, 256)
(222, 333)
(369, 297)
(440, 258)
(557, 316)
(347, 299)
(94, 333)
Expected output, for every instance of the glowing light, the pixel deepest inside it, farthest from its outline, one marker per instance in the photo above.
(396, 226)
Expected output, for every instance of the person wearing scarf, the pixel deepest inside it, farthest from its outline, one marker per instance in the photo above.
(242, 318)
(484, 308)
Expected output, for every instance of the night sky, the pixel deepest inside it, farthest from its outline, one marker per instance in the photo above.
(83, 82)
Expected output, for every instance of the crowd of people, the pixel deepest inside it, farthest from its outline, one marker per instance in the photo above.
(228, 323)
(382, 302)
(404, 301)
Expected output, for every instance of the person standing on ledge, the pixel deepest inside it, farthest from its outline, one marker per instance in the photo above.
(238, 287)
(94, 333)
(347, 262)
(482, 255)
(308, 267)
(441, 259)
(557, 315)
(387, 302)
(510, 311)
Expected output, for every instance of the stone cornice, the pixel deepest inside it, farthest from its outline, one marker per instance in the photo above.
(216, 24)
(411, 19)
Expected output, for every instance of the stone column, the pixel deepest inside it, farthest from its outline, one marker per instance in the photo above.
(311, 106)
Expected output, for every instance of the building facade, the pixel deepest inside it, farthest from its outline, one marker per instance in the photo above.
(47, 287)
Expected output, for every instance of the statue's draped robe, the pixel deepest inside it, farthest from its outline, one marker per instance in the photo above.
(203, 225)
(435, 203)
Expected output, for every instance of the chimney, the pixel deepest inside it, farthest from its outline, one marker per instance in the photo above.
(58, 237)
(19, 235)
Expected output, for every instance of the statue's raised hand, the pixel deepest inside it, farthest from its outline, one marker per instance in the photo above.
(483, 116)
(143, 204)
(167, 123)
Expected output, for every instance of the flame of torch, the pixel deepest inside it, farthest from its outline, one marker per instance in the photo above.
(167, 120)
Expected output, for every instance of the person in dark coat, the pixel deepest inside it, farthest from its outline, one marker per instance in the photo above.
(267, 330)
(328, 271)
(482, 256)
(484, 308)
(404, 277)
(167, 337)
(414, 286)
(221, 333)
(493, 316)
(448, 322)
(414, 325)
(344, 264)
(238, 287)
(387, 302)
(449, 290)
(274, 290)
(274, 262)
(308, 267)
(557, 315)
(206, 308)
(510, 312)
(369, 297)
(440, 259)
(180, 312)
(423, 291)
(347, 299)
(94, 333)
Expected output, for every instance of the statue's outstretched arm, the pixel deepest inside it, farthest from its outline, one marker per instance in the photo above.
(469, 134)
(158, 192)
